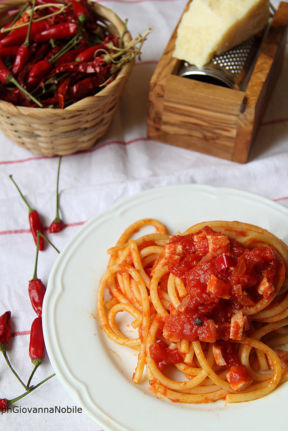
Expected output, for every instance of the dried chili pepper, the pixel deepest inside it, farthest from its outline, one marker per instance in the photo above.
(62, 30)
(8, 51)
(5, 330)
(62, 92)
(16, 37)
(3, 405)
(79, 10)
(5, 335)
(40, 69)
(86, 87)
(34, 219)
(6, 77)
(36, 345)
(23, 53)
(89, 53)
(36, 287)
(57, 224)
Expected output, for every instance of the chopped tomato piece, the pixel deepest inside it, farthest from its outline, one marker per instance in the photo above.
(163, 356)
(219, 288)
(238, 377)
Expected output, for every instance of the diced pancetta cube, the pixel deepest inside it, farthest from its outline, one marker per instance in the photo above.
(237, 326)
(219, 288)
(172, 249)
(238, 377)
(218, 356)
(218, 244)
(265, 288)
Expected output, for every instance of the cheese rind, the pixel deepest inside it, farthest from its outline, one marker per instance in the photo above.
(211, 27)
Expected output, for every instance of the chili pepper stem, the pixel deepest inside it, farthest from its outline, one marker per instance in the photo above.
(32, 374)
(29, 95)
(26, 42)
(21, 194)
(61, 7)
(36, 258)
(57, 218)
(9, 402)
(49, 242)
(11, 368)
(19, 14)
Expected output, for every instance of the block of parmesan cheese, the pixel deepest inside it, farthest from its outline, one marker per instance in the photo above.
(210, 27)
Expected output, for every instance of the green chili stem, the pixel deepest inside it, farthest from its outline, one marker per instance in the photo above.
(20, 192)
(32, 374)
(12, 369)
(9, 402)
(26, 42)
(64, 49)
(36, 257)
(57, 190)
(48, 240)
(29, 95)
(20, 13)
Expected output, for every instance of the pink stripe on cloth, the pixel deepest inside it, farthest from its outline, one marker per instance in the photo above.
(19, 333)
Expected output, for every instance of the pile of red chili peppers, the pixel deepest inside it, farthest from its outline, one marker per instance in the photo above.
(54, 53)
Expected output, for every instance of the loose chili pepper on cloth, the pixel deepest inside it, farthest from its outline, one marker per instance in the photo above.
(5, 330)
(36, 346)
(57, 224)
(34, 219)
(36, 287)
(5, 335)
(23, 53)
(3, 405)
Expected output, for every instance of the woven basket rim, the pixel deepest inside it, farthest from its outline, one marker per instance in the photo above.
(81, 104)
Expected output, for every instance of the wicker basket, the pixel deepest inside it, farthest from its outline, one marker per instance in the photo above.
(76, 128)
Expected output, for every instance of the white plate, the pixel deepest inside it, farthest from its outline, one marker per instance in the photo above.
(98, 373)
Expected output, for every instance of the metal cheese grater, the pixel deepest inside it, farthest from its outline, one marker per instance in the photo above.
(230, 69)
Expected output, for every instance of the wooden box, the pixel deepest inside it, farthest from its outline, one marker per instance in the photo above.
(203, 117)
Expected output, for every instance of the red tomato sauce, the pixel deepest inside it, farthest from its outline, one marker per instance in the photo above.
(221, 277)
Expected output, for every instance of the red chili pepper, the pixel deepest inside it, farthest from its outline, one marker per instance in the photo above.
(62, 91)
(57, 224)
(86, 87)
(36, 292)
(8, 51)
(71, 55)
(3, 405)
(16, 37)
(111, 38)
(36, 288)
(63, 30)
(5, 329)
(79, 10)
(34, 219)
(38, 71)
(89, 53)
(23, 53)
(36, 346)
(6, 77)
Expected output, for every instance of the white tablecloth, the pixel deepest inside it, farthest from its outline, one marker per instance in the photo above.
(123, 163)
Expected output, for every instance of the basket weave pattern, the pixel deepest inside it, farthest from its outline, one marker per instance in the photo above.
(52, 132)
